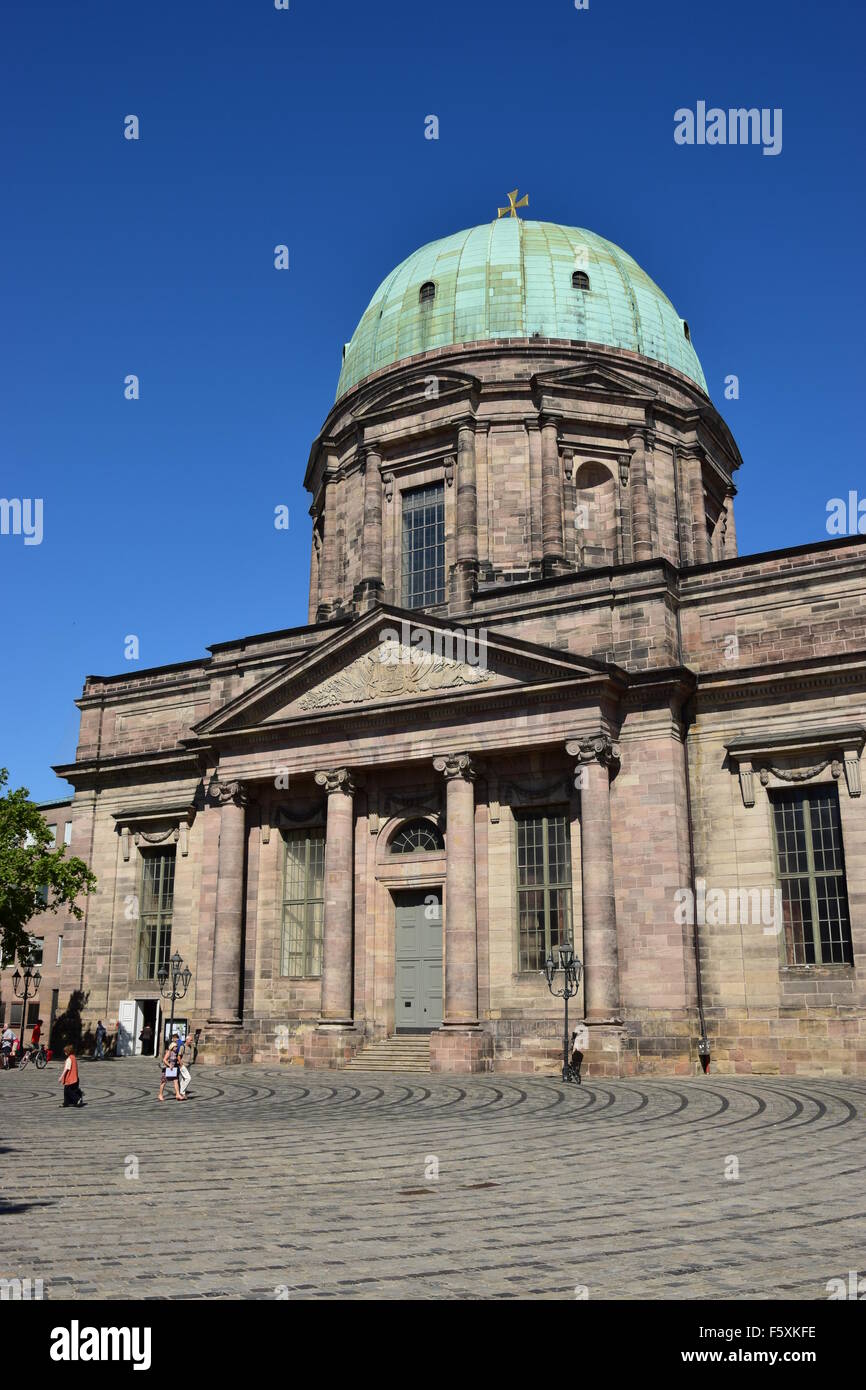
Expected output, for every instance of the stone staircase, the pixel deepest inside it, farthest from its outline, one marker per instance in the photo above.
(405, 1052)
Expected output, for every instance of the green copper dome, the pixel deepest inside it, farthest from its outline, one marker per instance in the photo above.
(513, 279)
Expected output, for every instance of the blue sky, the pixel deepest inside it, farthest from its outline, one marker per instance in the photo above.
(306, 127)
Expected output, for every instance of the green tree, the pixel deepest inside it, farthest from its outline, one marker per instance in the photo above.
(34, 877)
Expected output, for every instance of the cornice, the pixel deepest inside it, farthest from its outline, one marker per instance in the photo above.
(743, 684)
(388, 714)
(88, 770)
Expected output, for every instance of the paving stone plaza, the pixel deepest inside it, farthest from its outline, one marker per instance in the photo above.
(279, 1182)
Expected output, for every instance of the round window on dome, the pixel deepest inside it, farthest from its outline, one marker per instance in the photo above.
(580, 280)
(427, 292)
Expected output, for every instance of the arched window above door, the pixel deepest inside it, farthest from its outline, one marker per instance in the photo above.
(416, 836)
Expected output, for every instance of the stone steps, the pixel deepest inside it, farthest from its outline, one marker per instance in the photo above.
(405, 1052)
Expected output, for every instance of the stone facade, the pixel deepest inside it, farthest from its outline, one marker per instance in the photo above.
(599, 649)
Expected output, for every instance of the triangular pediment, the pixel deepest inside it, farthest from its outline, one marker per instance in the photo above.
(423, 391)
(391, 659)
(590, 379)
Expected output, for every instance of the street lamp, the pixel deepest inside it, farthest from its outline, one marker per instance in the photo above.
(21, 984)
(177, 976)
(571, 967)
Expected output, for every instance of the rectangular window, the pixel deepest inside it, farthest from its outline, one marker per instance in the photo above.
(32, 1012)
(303, 903)
(53, 830)
(424, 546)
(59, 949)
(37, 950)
(155, 907)
(543, 887)
(67, 833)
(811, 870)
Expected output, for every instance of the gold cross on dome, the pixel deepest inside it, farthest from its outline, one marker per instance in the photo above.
(511, 210)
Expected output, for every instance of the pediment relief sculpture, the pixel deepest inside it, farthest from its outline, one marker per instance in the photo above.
(393, 669)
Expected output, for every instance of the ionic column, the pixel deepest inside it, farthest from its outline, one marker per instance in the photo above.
(641, 520)
(596, 756)
(461, 943)
(370, 589)
(466, 570)
(700, 539)
(228, 925)
(552, 546)
(337, 924)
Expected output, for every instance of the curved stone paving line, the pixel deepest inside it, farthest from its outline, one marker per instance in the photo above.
(272, 1183)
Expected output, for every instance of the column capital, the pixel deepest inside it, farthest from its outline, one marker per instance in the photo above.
(336, 779)
(368, 453)
(600, 748)
(455, 765)
(223, 793)
(465, 422)
(549, 419)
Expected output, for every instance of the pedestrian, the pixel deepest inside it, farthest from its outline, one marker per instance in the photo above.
(6, 1041)
(69, 1078)
(145, 1037)
(184, 1057)
(101, 1030)
(169, 1070)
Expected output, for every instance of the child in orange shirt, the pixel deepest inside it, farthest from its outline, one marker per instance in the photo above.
(69, 1076)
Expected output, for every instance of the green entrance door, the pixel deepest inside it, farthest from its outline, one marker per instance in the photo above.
(418, 998)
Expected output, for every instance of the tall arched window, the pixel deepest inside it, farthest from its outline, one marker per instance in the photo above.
(427, 293)
(417, 836)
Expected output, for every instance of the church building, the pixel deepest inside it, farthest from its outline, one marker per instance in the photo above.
(539, 701)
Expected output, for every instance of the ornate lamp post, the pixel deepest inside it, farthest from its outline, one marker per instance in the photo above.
(26, 987)
(174, 981)
(571, 967)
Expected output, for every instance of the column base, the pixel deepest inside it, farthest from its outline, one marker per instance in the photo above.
(553, 565)
(368, 594)
(222, 1044)
(461, 1050)
(609, 1050)
(331, 1045)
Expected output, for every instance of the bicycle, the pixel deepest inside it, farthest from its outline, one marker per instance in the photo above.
(37, 1056)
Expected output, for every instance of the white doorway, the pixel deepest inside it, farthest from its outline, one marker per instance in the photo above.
(133, 1015)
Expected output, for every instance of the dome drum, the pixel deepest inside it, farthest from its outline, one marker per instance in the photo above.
(519, 402)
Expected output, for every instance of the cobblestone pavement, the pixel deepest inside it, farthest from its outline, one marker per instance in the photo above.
(318, 1184)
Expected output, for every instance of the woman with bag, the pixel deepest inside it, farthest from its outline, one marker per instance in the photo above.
(169, 1070)
(184, 1056)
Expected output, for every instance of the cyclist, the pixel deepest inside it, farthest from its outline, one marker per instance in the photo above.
(36, 1037)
